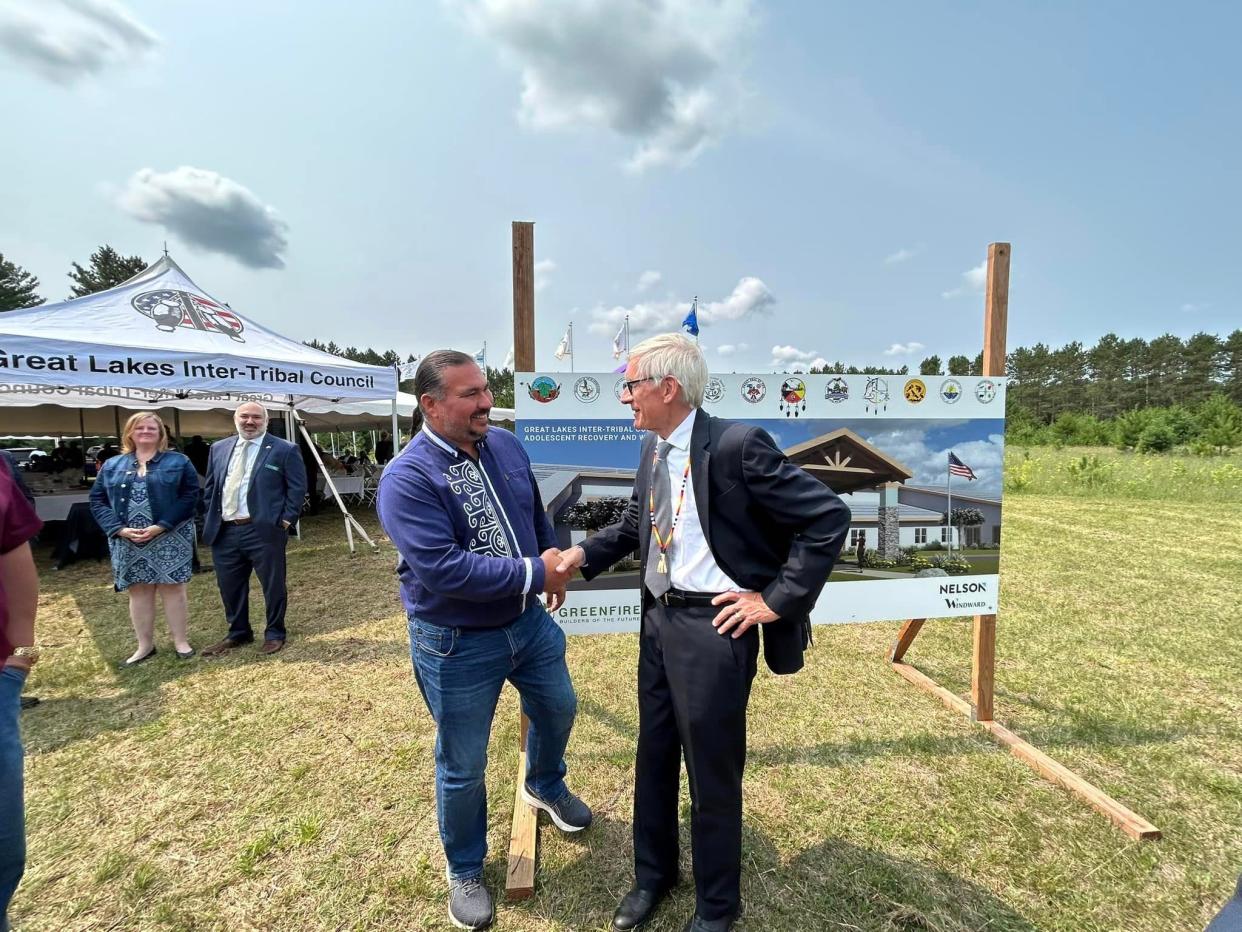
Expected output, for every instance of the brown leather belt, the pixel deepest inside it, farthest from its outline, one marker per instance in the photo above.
(239, 521)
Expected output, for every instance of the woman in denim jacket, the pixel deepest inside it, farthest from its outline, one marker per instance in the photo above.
(144, 500)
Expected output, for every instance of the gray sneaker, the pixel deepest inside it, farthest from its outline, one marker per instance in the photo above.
(569, 813)
(470, 905)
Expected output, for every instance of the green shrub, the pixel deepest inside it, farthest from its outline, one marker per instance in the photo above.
(1220, 425)
(873, 560)
(954, 566)
(1157, 437)
(920, 563)
(934, 545)
(1089, 471)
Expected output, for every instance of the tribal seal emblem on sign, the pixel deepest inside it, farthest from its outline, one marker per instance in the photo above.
(985, 391)
(837, 391)
(586, 390)
(876, 395)
(172, 309)
(543, 389)
(793, 396)
(753, 390)
(915, 391)
(714, 390)
(950, 391)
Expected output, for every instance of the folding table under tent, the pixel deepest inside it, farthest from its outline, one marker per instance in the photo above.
(159, 332)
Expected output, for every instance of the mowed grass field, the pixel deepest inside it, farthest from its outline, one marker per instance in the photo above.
(295, 792)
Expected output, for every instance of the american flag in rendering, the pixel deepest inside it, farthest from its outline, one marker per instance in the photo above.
(958, 468)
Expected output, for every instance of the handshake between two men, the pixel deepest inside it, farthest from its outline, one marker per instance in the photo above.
(558, 566)
(739, 611)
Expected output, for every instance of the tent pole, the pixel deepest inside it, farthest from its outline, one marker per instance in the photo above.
(177, 426)
(82, 439)
(396, 434)
(116, 420)
(351, 523)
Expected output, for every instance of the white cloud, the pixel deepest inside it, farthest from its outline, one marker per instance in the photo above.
(68, 40)
(901, 255)
(749, 297)
(1189, 308)
(819, 362)
(729, 349)
(543, 273)
(509, 357)
(663, 74)
(785, 357)
(973, 282)
(210, 212)
(904, 349)
(648, 279)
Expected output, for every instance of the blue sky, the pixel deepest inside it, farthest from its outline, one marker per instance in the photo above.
(825, 177)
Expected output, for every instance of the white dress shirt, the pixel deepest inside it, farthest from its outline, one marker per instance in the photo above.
(245, 455)
(692, 566)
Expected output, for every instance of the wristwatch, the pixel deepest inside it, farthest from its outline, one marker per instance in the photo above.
(31, 653)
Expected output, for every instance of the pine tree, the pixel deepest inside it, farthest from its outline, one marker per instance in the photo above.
(108, 269)
(931, 366)
(17, 286)
(959, 365)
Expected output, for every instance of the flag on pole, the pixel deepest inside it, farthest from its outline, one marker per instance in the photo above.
(618, 343)
(691, 323)
(958, 468)
(481, 356)
(565, 347)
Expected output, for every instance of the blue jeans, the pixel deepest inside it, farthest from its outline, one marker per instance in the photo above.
(12, 810)
(460, 672)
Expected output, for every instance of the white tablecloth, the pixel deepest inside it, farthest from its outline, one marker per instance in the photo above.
(55, 505)
(345, 485)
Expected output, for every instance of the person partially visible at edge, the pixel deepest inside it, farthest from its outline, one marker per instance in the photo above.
(255, 488)
(19, 480)
(19, 596)
(149, 492)
(733, 539)
(198, 450)
(383, 448)
(463, 508)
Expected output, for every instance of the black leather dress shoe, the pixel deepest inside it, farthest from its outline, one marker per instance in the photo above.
(636, 908)
(699, 924)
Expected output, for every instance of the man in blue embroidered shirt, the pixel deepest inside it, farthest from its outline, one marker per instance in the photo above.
(462, 507)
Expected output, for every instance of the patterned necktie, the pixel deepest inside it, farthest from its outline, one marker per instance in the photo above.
(233, 482)
(657, 576)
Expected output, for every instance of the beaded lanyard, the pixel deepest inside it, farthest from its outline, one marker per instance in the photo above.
(662, 542)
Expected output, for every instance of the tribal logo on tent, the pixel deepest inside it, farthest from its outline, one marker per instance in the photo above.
(173, 309)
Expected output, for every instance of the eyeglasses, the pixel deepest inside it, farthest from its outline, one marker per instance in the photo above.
(630, 383)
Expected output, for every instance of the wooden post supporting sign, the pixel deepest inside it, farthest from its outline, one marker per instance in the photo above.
(980, 708)
(524, 837)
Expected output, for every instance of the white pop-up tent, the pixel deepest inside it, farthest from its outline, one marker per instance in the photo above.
(160, 332)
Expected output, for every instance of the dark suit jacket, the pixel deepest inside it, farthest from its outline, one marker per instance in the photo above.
(277, 487)
(771, 526)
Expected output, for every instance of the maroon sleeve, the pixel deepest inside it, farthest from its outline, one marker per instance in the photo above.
(18, 521)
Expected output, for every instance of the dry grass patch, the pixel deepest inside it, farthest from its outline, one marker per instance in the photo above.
(295, 792)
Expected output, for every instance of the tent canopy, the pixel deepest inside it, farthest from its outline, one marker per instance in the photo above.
(161, 331)
(68, 410)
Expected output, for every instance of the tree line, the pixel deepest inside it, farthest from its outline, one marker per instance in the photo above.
(1109, 393)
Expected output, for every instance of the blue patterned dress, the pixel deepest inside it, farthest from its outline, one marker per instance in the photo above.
(166, 560)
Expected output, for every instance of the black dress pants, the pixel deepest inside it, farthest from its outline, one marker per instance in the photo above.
(693, 688)
(237, 551)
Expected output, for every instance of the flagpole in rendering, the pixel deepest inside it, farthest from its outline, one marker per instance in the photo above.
(571, 346)
(948, 484)
(627, 336)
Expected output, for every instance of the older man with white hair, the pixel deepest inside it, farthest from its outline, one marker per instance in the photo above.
(255, 487)
(734, 539)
